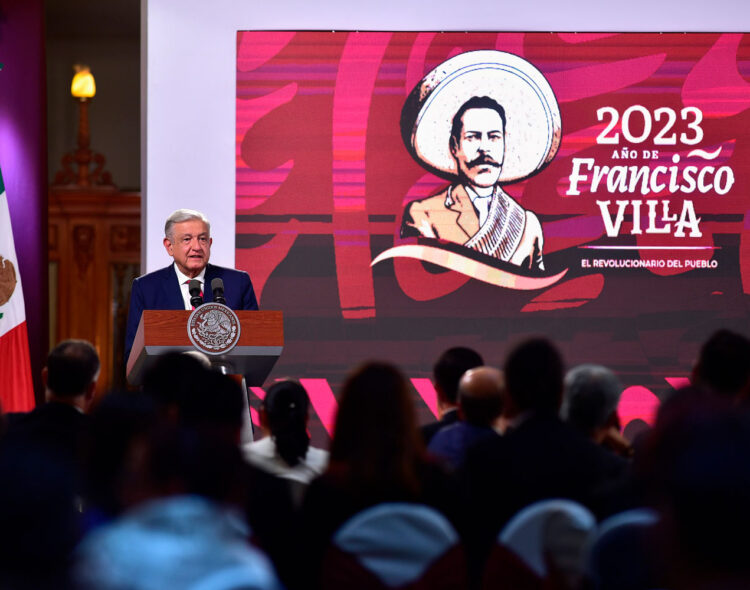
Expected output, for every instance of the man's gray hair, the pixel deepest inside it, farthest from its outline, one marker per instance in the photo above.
(591, 395)
(184, 215)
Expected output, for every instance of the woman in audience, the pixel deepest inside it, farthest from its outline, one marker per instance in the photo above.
(377, 455)
(280, 466)
(286, 452)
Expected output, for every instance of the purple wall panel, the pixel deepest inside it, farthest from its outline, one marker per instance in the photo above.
(23, 159)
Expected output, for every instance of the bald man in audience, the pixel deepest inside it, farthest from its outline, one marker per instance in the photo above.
(480, 403)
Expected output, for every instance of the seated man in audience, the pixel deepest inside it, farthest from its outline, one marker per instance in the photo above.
(70, 383)
(183, 526)
(696, 472)
(39, 518)
(723, 365)
(590, 400)
(480, 402)
(538, 457)
(451, 365)
(180, 487)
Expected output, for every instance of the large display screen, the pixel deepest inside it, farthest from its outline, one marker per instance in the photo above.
(399, 193)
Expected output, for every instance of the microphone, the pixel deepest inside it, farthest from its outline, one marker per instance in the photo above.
(194, 288)
(217, 288)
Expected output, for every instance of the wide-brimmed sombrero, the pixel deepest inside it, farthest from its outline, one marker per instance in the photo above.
(532, 129)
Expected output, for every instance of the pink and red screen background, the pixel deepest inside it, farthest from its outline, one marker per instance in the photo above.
(322, 177)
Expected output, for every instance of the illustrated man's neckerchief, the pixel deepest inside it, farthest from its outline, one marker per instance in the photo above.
(503, 229)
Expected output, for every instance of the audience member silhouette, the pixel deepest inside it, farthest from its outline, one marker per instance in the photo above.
(191, 394)
(117, 424)
(539, 457)
(283, 464)
(480, 402)
(183, 527)
(590, 399)
(376, 456)
(173, 377)
(183, 487)
(723, 365)
(698, 478)
(285, 451)
(447, 372)
(39, 520)
(166, 497)
(69, 378)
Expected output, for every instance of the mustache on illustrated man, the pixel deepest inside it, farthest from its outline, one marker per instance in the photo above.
(482, 161)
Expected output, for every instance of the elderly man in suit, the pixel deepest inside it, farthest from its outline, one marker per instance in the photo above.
(187, 239)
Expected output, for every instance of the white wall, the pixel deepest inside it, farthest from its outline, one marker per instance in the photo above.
(188, 76)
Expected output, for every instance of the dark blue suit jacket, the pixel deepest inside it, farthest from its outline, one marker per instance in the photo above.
(160, 290)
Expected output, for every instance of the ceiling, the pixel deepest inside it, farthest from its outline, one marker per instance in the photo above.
(93, 18)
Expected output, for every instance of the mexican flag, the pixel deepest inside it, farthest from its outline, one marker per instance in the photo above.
(16, 389)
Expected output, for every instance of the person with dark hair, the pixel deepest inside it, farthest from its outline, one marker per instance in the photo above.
(534, 377)
(446, 373)
(72, 370)
(214, 407)
(377, 455)
(69, 379)
(179, 383)
(723, 365)
(480, 402)
(538, 457)
(189, 394)
(171, 376)
(696, 474)
(178, 490)
(183, 527)
(41, 471)
(286, 451)
(281, 465)
(117, 423)
(39, 519)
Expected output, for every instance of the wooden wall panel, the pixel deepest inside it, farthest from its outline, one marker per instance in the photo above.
(95, 243)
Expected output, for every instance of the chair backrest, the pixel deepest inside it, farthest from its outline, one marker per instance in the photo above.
(395, 545)
(544, 544)
(620, 556)
(239, 577)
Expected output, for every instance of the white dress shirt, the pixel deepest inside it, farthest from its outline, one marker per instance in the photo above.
(480, 202)
(184, 280)
(262, 453)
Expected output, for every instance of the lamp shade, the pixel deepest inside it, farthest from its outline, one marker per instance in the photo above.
(83, 85)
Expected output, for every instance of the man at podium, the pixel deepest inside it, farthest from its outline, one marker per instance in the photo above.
(187, 239)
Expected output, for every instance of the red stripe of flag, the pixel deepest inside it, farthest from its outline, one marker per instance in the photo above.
(16, 388)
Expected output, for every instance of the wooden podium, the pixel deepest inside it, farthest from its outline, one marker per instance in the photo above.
(260, 344)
